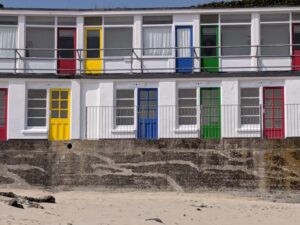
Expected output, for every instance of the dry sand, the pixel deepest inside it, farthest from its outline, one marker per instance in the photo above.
(103, 208)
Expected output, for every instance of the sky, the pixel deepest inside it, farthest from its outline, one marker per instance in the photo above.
(100, 3)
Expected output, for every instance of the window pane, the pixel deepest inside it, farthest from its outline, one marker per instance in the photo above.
(187, 120)
(209, 40)
(125, 107)
(8, 39)
(118, 38)
(34, 35)
(187, 111)
(93, 21)
(125, 103)
(187, 93)
(125, 94)
(275, 34)
(64, 95)
(40, 20)
(236, 36)
(36, 103)
(250, 92)
(124, 121)
(93, 42)
(250, 120)
(36, 113)
(8, 20)
(37, 93)
(250, 110)
(157, 19)
(118, 20)
(209, 19)
(274, 17)
(64, 114)
(69, 21)
(296, 16)
(41, 122)
(236, 18)
(157, 41)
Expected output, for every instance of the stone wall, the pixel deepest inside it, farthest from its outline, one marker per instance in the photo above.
(168, 165)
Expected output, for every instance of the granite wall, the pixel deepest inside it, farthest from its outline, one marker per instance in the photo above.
(168, 165)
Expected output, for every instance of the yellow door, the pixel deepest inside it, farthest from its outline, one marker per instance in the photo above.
(93, 54)
(59, 114)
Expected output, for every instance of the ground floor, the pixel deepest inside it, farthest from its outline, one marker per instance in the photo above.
(152, 108)
(129, 208)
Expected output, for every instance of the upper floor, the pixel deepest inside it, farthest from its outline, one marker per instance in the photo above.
(149, 40)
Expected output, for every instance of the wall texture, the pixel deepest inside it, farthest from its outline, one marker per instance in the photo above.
(168, 165)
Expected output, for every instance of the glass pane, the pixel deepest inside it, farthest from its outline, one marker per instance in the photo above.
(250, 92)
(277, 93)
(36, 122)
(8, 20)
(69, 21)
(54, 114)
(187, 111)
(37, 93)
(205, 120)
(187, 93)
(268, 93)
(209, 40)
(236, 36)
(268, 102)
(64, 95)
(55, 94)
(64, 104)
(37, 103)
(277, 102)
(63, 114)
(269, 112)
(124, 112)
(143, 95)
(274, 17)
(124, 121)
(119, 39)
(118, 20)
(34, 35)
(249, 111)
(184, 42)
(66, 41)
(278, 123)
(278, 113)
(36, 113)
(125, 94)
(125, 103)
(40, 20)
(187, 102)
(250, 102)
(296, 16)
(214, 93)
(187, 120)
(93, 21)
(55, 104)
(250, 120)
(236, 18)
(152, 94)
(157, 19)
(209, 18)
(93, 42)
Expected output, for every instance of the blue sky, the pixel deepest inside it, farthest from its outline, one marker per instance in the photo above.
(99, 3)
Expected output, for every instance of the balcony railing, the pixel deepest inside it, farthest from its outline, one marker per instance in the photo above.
(204, 122)
(19, 60)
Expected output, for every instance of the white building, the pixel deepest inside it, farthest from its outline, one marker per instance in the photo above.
(149, 74)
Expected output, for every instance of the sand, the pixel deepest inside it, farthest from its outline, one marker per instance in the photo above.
(136, 208)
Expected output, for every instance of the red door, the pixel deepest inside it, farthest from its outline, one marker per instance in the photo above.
(273, 112)
(296, 48)
(66, 62)
(3, 114)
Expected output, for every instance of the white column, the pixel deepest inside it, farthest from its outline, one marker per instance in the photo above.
(137, 41)
(16, 108)
(75, 109)
(197, 42)
(80, 40)
(255, 40)
(21, 43)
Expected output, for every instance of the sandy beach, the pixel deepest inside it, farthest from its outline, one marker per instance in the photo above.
(140, 208)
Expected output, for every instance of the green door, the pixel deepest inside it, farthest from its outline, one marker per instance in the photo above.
(209, 50)
(210, 119)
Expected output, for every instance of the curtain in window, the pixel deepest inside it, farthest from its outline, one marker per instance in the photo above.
(8, 37)
(184, 42)
(158, 39)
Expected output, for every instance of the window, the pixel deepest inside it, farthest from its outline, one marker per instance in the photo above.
(36, 107)
(250, 110)
(93, 43)
(66, 21)
(274, 17)
(8, 20)
(93, 21)
(236, 18)
(157, 20)
(236, 36)
(157, 41)
(118, 20)
(296, 16)
(125, 107)
(209, 18)
(8, 40)
(187, 106)
(40, 20)
(40, 38)
(119, 39)
(272, 35)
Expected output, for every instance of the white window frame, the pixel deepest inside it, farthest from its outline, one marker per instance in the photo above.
(180, 107)
(128, 127)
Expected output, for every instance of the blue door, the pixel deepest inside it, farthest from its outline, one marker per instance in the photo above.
(184, 49)
(147, 114)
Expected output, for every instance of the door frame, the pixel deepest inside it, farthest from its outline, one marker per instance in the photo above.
(138, 113)
(190, 27)
(282, 136)
(5, 90)
(75, 46)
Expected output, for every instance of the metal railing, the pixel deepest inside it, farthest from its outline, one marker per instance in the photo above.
(45, 60)
(205, 122)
